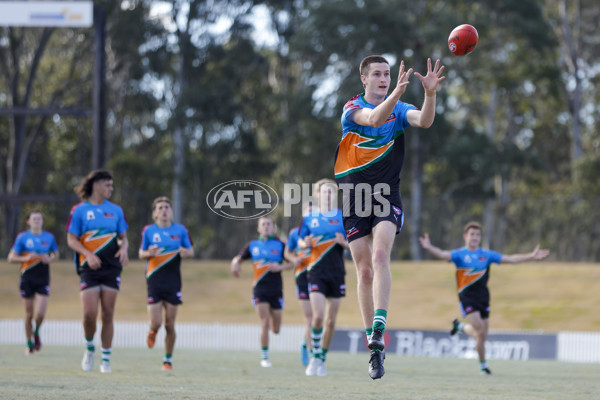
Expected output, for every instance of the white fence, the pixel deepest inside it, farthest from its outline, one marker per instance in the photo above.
(571, 346)
(133, 334)
(578, 346)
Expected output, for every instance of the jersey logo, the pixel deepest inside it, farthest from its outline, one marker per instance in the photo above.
(175, 237)
(109, 215)
(352, 231)
(90, 215)
(314, 223)
(255, 251)
(482, 259)
(334, 222)
(467, 258)
(29, 243)
(156, 238)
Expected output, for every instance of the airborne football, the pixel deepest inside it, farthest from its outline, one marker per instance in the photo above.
(463, 40)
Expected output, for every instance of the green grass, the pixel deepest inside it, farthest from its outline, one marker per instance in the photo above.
(54, 373)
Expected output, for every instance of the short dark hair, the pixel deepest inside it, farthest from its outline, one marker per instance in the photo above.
(84, 191)
(472, 225)
(364, 64)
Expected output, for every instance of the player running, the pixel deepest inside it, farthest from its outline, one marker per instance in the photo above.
(267, 254)
(302, 256)
(35, 249)
(324, 233)
(367, 167)
(472, 274)
(96, 231)
(164, 244)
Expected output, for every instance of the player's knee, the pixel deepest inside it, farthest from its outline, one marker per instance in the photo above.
(380, 258)
(317, 320)
(107, 317)
(365, 275)
(330, 323)
(170, 327)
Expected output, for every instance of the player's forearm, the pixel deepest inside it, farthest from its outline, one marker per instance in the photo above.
(75, 245)
(428, 110)
(437, 252)
(517, 258)
(380, 114)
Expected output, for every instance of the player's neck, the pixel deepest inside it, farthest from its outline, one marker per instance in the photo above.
(374, 99)
(96, 199)
(35, 231)
(164, 223)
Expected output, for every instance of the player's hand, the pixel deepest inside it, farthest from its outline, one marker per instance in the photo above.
(153, 250)
(424, 240)
(433, 77)
(93, 261)
(540, 254)
(235, 269)
(275, 267)
(45, 258)
(340, 238)
(122, 256)
(308, 241)
(402, 80)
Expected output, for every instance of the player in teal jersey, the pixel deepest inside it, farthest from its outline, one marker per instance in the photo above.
(34, 249)
(97, 232)
(267, 254)
(302, 257)
(164, 244)
(367, 167)
(324, 233)
(472, 274)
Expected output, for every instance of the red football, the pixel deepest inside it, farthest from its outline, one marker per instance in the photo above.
(463, 39)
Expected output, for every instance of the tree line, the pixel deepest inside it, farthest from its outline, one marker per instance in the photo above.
(203, 92)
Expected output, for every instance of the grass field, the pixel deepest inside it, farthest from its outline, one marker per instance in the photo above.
(538, 296)
(54, 373)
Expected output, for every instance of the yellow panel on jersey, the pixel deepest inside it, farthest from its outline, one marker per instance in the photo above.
(159, 260)
(94, 243)
(356, 152)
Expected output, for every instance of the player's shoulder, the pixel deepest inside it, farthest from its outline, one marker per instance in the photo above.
(110, 205)
(22, 235)
(79, 206)
(48, 234)
(355, 102)
(148, 228)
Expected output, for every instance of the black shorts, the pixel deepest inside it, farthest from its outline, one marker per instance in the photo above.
(469, 305)
(103, 276)
(358, 226)
(275, 300)
(170, 294)
(328, 285)
(30, 285)
(302, 286)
